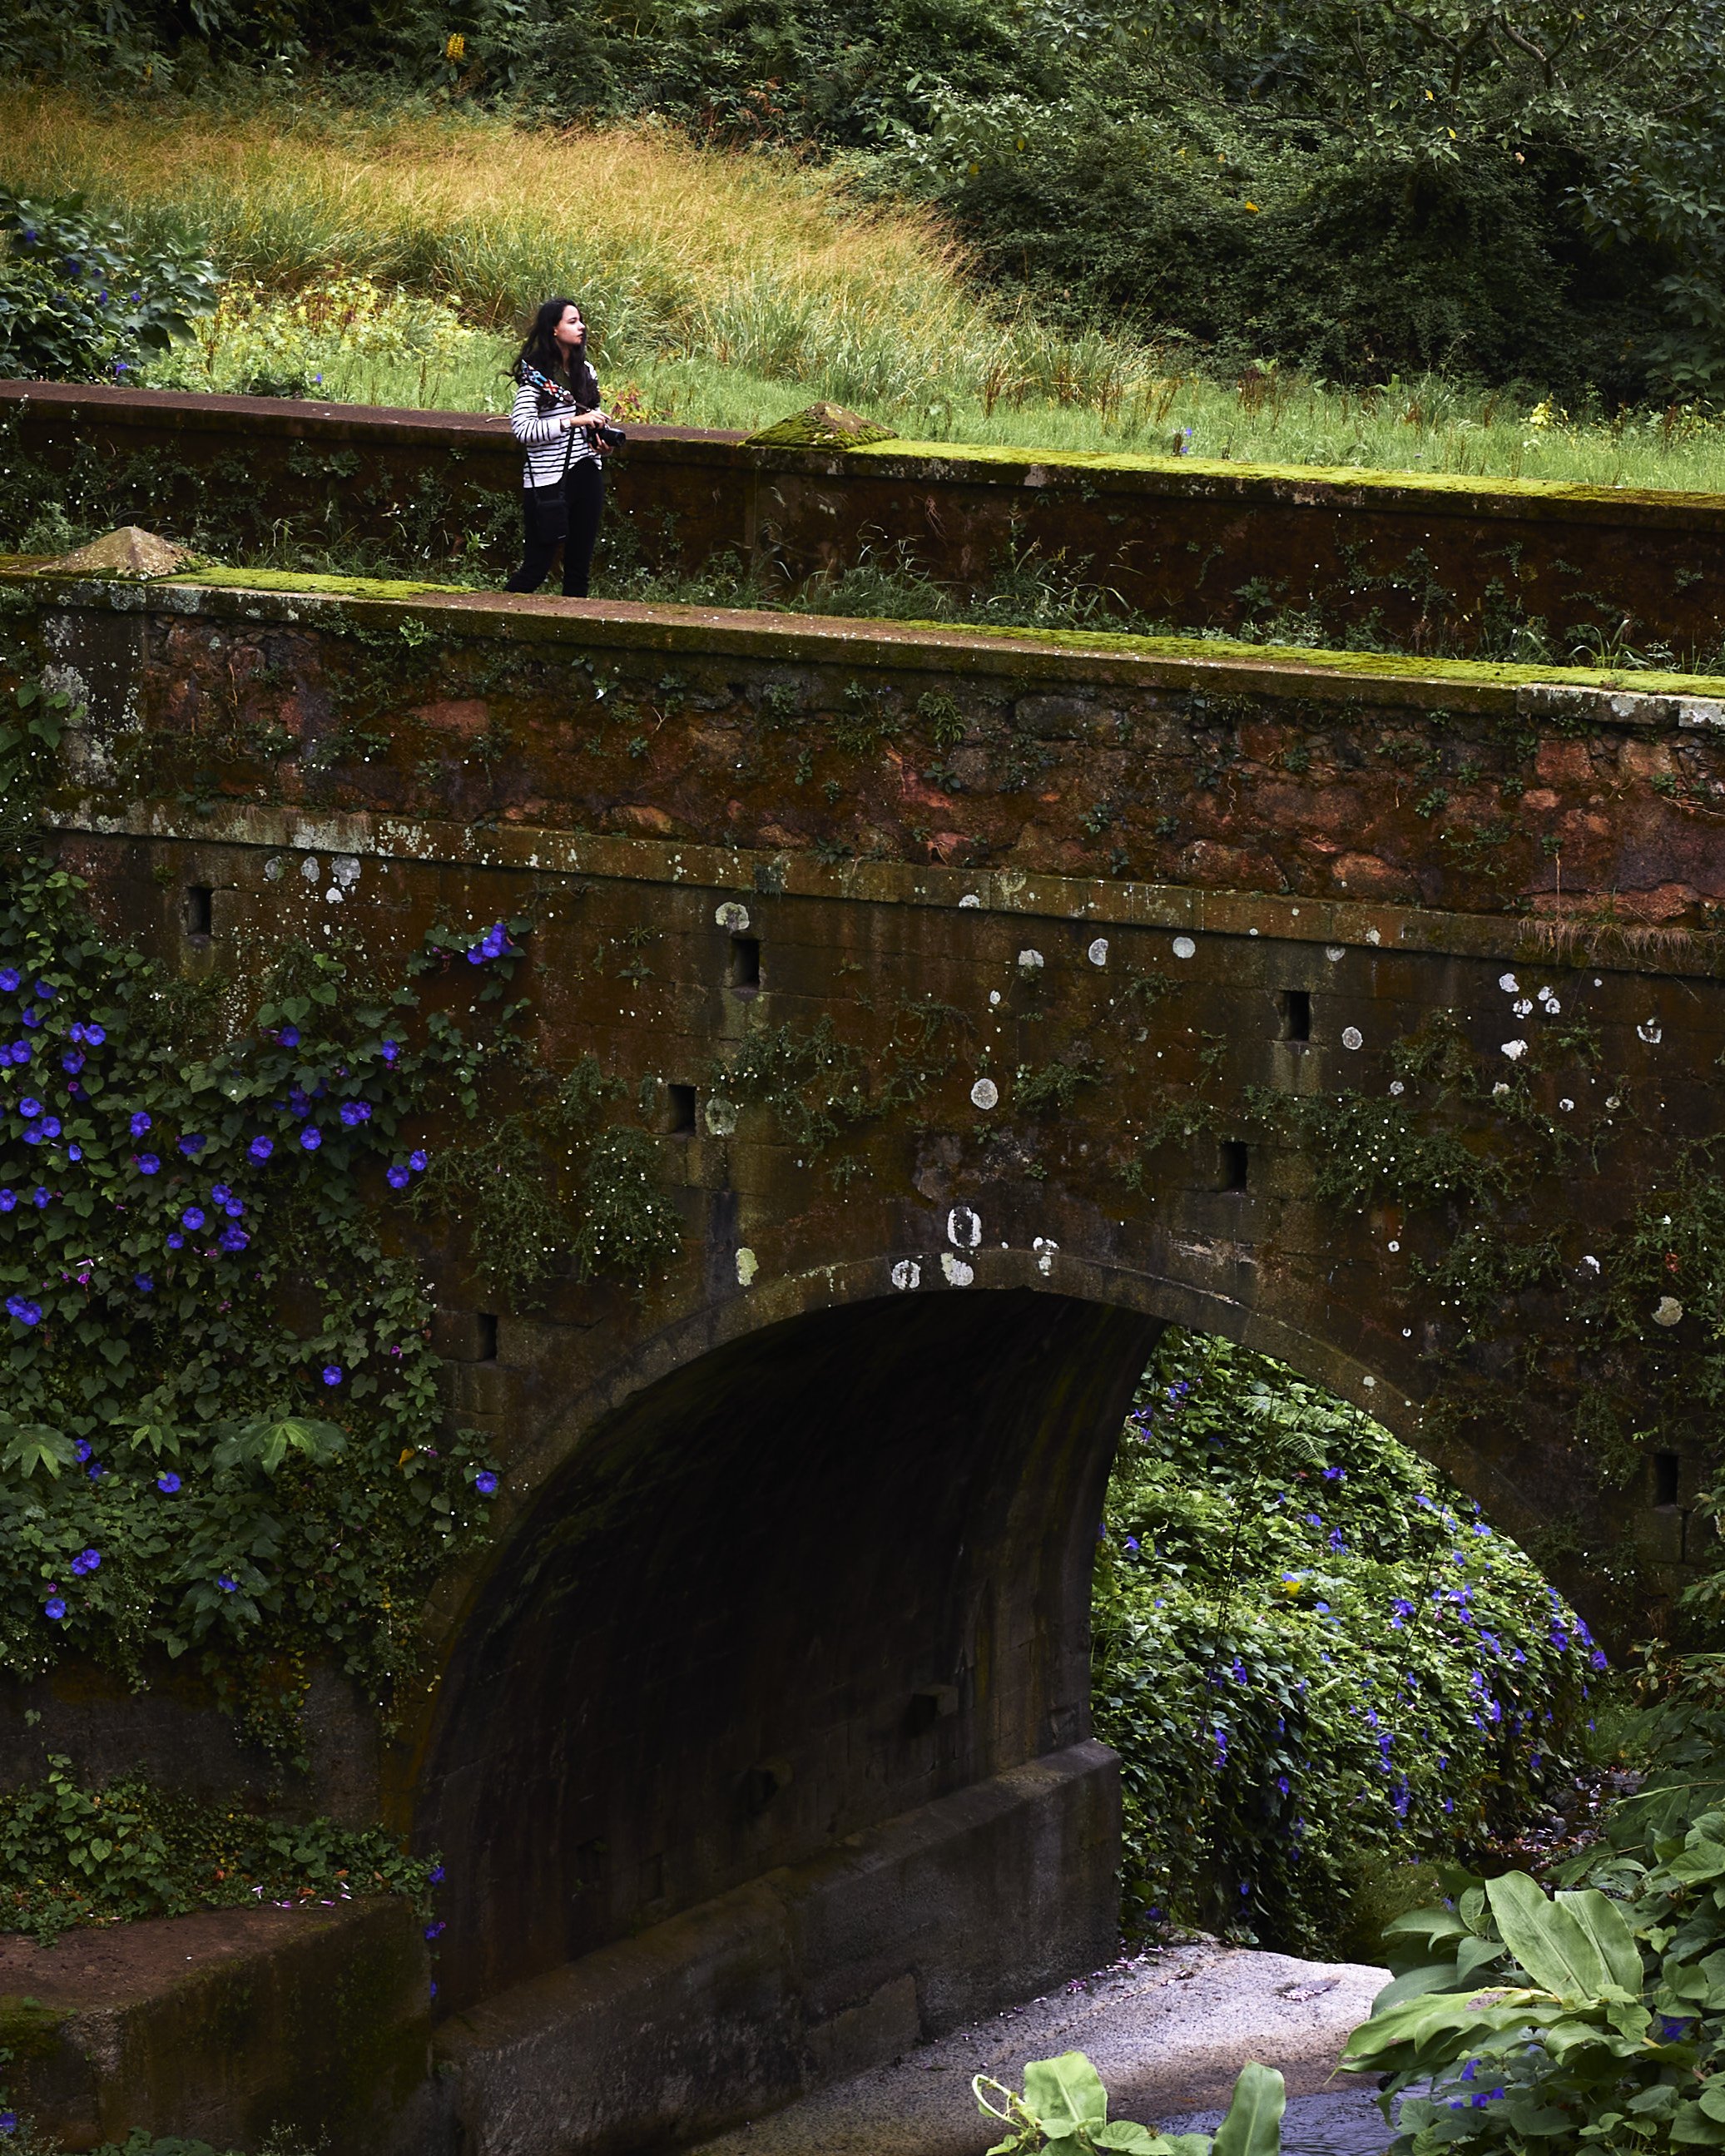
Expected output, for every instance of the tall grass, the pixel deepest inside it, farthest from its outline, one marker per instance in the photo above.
(731, 289)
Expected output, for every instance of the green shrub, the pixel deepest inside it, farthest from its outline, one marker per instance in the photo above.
(79, 299)
(1318, 1663)
(1595, 2019)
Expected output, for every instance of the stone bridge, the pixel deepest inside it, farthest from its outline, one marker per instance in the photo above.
(993, 1001)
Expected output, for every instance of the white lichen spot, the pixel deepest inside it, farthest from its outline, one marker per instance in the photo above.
(964, 1228)
(1515, 1049)
(1397, 1089)
(1394, 1246)
(1501, 1086)
(345, 868)
(1185, 947)
(731, 917)
(1524, 1007)
(970, 898)
(1592, 1263)
(1651, 1032)
(1509, 984)
(1370, 1383)
(1668, 1311)
(1567, 1106)
(1373, 936)
(272, 868)
(958, 1273)
(984, 1094)
(1351, 1037)
(1045, 1248)
(720, 1116)
(1030, 962)
(747, 1265)
(994, 995)
(1335, 952)
(1612, 1101)
(309, 868)
(334, 895)
(907, 1274)
(1097, 953)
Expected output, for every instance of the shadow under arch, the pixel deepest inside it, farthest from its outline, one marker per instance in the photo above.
(830, 1571)
(809, 1568)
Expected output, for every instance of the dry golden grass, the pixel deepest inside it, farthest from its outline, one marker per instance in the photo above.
(671, 247)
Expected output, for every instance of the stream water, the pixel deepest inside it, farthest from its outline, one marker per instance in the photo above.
(1347, 2122)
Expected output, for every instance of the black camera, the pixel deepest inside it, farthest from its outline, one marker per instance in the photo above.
(614, 438)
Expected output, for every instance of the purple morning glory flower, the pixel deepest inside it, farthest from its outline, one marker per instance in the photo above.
(140, 1123)
(1335, 1475)
(234, 1239)
(95, 1470)
(148, 1163)
(260, 1148)
(355, 1112)
(8, 978)
(72, 1062)
(41, 1196)
(389, 1051)
(396, 1178)
(45, 989)
(434, 1878)
(177, 1241)
(1596, 1659)
(83, 1449)
(432, 1931)
(485, 1482)
(192, 1144)
(289, 1036)
(332, 1373)
(219, 1193)
(143, 1283)
(26, 1313)
(87, 1561)
(167, 1482)
(8, 1198)
(416, 1160)
(233, 1209)
(29, 1107)
(192, 1218)
(95, 1034)
(311, 1137)
(227, 1585)
(55, 1607)
(19, 1051)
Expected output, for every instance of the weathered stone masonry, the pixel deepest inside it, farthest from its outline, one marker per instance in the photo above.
(788, 1593)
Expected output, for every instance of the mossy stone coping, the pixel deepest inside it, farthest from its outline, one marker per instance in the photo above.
(1634, 698)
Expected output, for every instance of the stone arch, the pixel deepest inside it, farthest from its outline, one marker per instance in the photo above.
(819, 1557)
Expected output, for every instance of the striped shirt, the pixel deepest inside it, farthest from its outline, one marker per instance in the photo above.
(551, 447)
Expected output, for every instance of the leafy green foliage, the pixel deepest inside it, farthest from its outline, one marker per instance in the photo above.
(1311, 1654)
(80, 298)
(1065, 2108)
(71, 1855)
(1596, 2017)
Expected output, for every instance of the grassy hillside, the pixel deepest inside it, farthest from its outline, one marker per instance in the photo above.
(389, 259)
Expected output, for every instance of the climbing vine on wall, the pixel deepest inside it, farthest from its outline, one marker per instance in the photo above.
(220, 1430)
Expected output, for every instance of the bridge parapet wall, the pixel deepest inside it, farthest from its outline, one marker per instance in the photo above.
(1434, 564)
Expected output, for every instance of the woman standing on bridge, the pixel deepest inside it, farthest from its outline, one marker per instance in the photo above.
(557, 420)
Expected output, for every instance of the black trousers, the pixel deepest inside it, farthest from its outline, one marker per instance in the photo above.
(567, 515)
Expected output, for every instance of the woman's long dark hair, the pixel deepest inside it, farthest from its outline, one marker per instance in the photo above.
(542, 350)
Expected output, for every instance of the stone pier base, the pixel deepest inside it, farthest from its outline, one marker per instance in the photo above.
(813, 1972)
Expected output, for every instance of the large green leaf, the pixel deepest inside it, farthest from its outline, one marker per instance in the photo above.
(1253, 2126)
(1065, 2095)
(1608, 1929)
(30, 1448)
(1551, 1943)
(1415, 1983)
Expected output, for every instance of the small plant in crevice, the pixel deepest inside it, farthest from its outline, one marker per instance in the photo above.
(547, 1190)
(71, 1856)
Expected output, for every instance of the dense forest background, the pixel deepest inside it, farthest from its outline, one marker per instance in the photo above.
(1502, 189)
